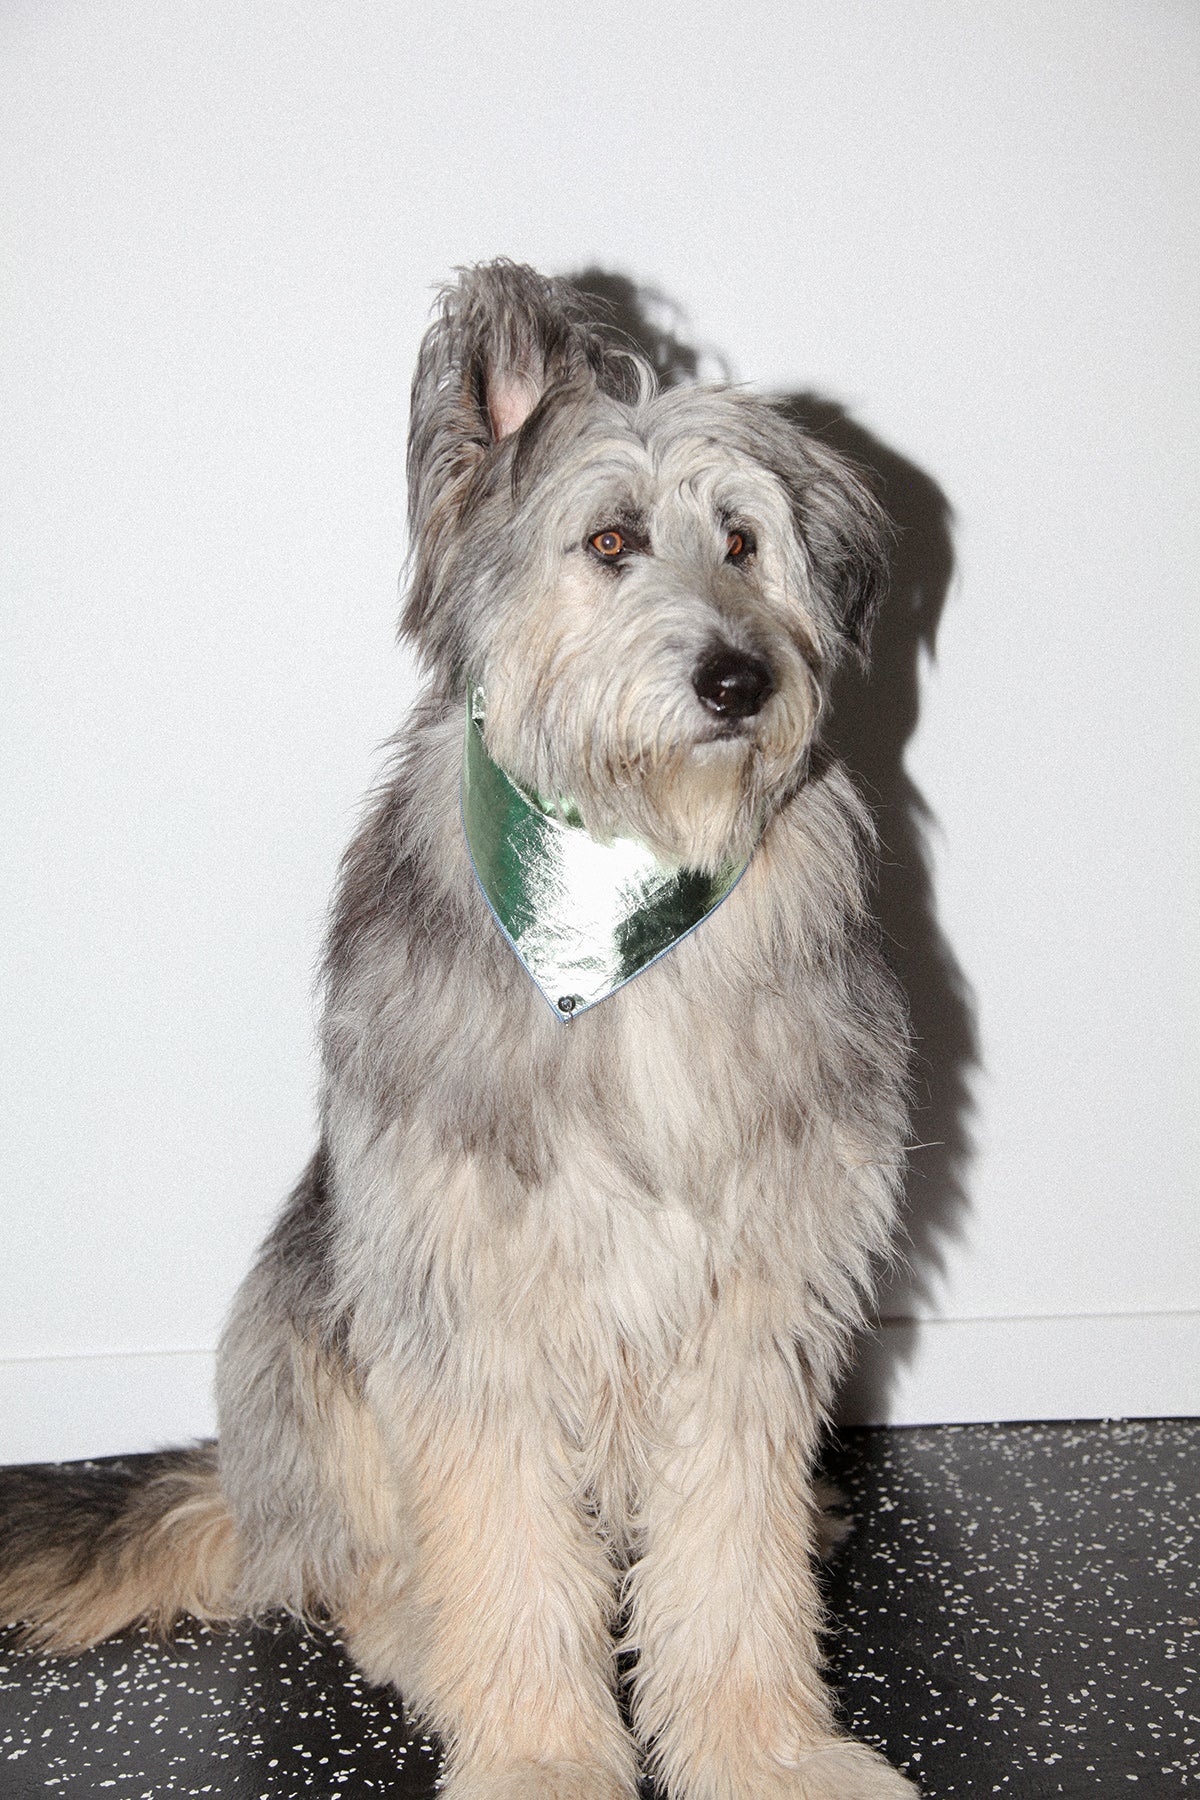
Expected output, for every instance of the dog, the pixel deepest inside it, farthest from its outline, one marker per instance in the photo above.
(530, 1375)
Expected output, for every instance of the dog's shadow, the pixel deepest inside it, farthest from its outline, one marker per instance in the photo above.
(873, 720)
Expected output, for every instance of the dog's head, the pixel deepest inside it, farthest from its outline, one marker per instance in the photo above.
(651, 588)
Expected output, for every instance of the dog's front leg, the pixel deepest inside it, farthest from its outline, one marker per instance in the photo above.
(497, 1625)
(725, 1613)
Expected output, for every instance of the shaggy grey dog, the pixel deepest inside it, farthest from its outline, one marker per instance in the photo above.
(533, 1366)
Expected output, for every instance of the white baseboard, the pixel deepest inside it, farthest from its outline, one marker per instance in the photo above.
(934, 1371)
(975, 1371)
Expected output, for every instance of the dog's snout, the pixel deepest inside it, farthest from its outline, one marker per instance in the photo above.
(732, 684)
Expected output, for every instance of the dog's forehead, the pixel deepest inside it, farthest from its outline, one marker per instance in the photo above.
(680, 452)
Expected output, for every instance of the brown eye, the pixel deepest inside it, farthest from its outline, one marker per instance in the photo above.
(608, 544)
(738, 545)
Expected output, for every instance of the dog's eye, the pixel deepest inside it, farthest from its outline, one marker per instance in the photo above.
(608, 544)
(739, 545)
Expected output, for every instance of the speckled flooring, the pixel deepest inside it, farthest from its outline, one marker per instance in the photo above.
(1016, 1612)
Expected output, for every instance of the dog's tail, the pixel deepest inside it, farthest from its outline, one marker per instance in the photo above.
(87, 1551)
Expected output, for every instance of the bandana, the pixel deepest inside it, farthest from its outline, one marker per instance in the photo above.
(583, 917)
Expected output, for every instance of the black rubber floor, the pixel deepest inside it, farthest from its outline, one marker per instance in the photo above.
(1016, 1612)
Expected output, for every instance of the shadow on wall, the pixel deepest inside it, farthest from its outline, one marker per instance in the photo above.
(872, 721)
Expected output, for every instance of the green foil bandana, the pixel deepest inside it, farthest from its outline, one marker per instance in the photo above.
(583, 917)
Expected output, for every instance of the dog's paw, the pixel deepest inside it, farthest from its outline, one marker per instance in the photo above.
(535, 1781)
(843, 1770)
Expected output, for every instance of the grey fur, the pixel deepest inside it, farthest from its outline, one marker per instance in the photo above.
(545, 1336)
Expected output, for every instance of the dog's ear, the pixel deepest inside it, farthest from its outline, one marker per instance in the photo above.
(847, 535)
(503, 336)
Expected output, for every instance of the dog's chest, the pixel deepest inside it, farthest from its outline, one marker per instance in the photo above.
(642, 1268)
(641, 1202)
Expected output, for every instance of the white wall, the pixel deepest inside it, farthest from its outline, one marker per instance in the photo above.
(974, 228)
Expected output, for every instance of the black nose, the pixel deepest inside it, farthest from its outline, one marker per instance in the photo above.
(732, 684)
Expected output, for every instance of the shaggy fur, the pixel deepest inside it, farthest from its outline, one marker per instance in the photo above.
(533, 1367)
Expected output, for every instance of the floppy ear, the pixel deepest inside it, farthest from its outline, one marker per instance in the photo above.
(503, 335)
(848, 537)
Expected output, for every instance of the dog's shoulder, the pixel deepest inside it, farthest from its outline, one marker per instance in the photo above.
(404, 871)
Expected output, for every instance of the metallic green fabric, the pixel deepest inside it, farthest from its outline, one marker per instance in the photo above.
(583, 917)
